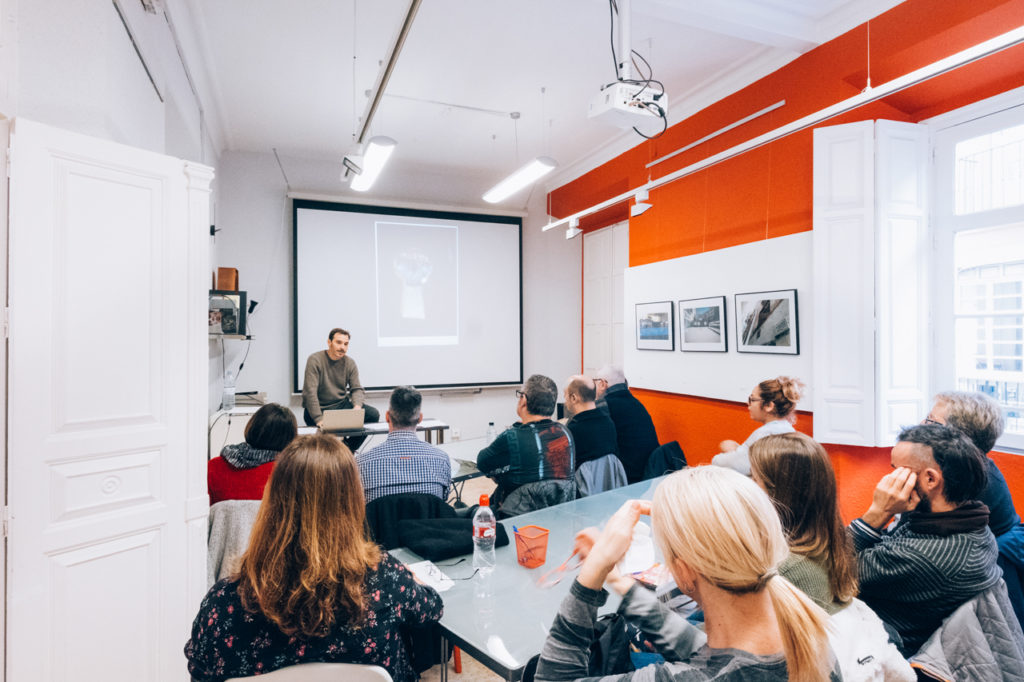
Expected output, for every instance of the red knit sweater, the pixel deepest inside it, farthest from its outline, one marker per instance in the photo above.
(225, 482)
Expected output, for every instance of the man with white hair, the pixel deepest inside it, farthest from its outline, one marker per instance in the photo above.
(634, 428)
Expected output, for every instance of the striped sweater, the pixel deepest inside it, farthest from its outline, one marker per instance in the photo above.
(913, 579)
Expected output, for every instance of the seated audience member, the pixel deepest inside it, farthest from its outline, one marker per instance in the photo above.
(403, 463)
(772, 403)
(981, 419)
(241, 472)
(533, 449)
(634, 428)
(723, 543)
(941, 553)
(593, 432)
(797, 474)
(312, 586)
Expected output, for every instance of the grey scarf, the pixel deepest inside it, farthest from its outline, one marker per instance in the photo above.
(245, 456)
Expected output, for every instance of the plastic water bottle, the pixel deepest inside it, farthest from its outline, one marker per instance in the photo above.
(491, 434)
(227, 402)
(484, 529)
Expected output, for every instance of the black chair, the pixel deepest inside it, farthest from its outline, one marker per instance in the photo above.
(384, 513)
(537, 495)
(664, 460)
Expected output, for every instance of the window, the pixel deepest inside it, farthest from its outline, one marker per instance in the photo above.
(978, 218)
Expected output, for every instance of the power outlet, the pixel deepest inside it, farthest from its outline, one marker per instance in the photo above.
(456, 433)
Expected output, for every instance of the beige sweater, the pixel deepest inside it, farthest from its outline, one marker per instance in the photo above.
(329, 383)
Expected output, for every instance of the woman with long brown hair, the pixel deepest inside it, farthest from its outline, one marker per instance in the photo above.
(312, 586)
(797, 474)
(773, 403)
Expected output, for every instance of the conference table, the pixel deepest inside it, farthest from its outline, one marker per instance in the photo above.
(502, 620)
(431, 428)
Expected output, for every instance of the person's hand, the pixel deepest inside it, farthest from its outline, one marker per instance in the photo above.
(320, 425)
(894, 494)
(612, 544)
(584, 541)
(727, 446)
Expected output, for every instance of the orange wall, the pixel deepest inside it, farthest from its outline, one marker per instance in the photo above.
(767, 192)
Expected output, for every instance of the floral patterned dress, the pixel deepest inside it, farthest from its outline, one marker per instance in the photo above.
(228, 641)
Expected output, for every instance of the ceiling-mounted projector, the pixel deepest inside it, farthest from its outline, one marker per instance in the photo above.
(626, 105)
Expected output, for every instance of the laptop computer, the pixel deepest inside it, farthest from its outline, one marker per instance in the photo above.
(343, 420)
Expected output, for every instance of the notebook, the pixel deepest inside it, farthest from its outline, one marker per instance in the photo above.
(342, 420)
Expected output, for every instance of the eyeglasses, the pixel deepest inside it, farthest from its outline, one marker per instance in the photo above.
(751, 400)
(929, 420)
(519, 394)
(554, 576)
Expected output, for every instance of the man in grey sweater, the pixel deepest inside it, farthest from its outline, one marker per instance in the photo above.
(941, 553)
(332, 383)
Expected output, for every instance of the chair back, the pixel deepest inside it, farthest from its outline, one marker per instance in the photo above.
(229, 525)
(664, 460)
(384, 513)
(599, 475)
(981, 641)
(537, 495)
(323, 672)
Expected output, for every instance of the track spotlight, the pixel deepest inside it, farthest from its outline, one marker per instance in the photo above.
(640, 206)
(365, 168)
(573, 229)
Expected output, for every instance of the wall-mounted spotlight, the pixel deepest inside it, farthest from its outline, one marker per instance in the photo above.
(640, 206)
(574, 228)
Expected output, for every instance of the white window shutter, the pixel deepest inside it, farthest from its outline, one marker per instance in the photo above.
(902, 291)
(844, 284)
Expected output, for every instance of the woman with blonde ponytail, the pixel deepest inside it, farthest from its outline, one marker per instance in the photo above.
(722, 541)
(773, 403)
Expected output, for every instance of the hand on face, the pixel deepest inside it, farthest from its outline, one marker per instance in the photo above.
(895, 494)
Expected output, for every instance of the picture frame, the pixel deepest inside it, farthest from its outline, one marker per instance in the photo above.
(655, 326)
(702, 325)
(227, 312)
(768, 322)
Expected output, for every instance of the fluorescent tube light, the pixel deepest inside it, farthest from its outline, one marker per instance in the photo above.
(378, 150)
(523, 177)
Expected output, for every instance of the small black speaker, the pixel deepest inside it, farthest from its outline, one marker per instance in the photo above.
(560, 411)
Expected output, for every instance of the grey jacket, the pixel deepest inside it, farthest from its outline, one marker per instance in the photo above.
(980, 641)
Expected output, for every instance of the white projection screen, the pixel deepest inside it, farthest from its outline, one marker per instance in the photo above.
(432, 299)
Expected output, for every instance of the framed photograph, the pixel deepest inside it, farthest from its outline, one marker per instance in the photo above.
(702, 325)
(655, 326)
(766, 322)
(227, 312)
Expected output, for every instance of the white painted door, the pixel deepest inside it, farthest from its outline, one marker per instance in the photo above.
(105, 422)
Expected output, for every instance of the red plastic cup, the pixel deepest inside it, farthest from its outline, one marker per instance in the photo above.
(531, 546)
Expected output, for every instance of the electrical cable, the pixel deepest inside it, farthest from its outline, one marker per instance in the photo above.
(644, 82)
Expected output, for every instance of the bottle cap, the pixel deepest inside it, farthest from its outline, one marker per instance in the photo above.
(485, 501)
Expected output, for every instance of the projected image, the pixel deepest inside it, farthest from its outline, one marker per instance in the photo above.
(417, 284)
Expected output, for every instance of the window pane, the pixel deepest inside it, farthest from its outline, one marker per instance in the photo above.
(990, 171)
(989, 264)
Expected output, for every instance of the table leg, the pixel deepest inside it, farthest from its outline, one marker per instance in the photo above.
(444, 659)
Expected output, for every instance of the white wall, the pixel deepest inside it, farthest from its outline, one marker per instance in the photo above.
(255, 217)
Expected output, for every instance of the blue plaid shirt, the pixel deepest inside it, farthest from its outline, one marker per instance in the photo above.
(404, 464)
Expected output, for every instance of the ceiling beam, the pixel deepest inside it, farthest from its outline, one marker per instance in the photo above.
(756, 22)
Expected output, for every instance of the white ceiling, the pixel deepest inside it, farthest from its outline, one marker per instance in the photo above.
(293, 76)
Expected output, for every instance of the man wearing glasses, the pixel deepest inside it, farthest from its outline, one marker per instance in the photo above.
(533, 449)
(634, 428)
(981, 419)
(941, 553)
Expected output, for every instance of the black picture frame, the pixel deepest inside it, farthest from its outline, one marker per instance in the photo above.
(703, 315)
(768, 322)
(228, 311)
(655, 326)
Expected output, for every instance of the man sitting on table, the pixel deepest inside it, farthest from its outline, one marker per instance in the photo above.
(941, 553)
(403, 463)
(634, 428)
(593, 432)
(332, 383)
(534, 449)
